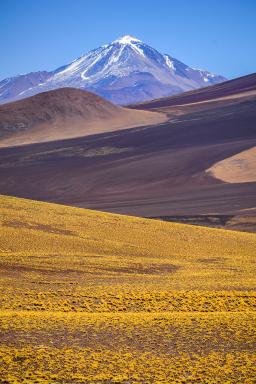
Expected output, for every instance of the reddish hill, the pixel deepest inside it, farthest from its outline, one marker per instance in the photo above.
(65, 113)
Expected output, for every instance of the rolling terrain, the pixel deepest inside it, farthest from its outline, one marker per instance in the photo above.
(153, 171)
(95, 297)
(233, 89)
(65, 113)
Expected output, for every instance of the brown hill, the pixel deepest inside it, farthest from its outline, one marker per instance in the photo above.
(156, 171)
(65, 113)
(236, 88)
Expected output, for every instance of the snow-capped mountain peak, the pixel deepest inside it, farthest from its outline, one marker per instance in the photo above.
(131, 41)
(124, 71)
(127, 39)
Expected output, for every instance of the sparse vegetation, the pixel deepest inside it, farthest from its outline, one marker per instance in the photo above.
(90, 297)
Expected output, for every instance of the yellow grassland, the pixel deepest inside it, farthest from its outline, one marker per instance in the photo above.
(92, 297)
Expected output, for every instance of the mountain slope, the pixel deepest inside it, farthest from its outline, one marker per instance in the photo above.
(13, 86)
(240, 168)
(242, 86)
(124, 71)
(65, 113)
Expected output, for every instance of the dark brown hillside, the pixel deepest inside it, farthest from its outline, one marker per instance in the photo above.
(154, 171)
(242, 86)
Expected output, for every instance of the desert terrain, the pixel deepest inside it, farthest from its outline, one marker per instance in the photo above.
(65, 113)
(162, 170)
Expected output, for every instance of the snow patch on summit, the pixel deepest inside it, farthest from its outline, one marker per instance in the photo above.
(131, 41)
(127, 39)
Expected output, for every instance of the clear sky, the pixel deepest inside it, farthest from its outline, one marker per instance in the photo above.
(216, 35)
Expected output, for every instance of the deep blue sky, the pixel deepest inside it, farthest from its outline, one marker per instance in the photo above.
(216, 35)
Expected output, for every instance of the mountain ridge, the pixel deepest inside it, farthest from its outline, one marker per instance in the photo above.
(123, 71)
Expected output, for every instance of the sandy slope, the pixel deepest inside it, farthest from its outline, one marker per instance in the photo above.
(240, 168)
(65, 113)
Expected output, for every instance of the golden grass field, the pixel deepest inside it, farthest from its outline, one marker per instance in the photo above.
(92, 297)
